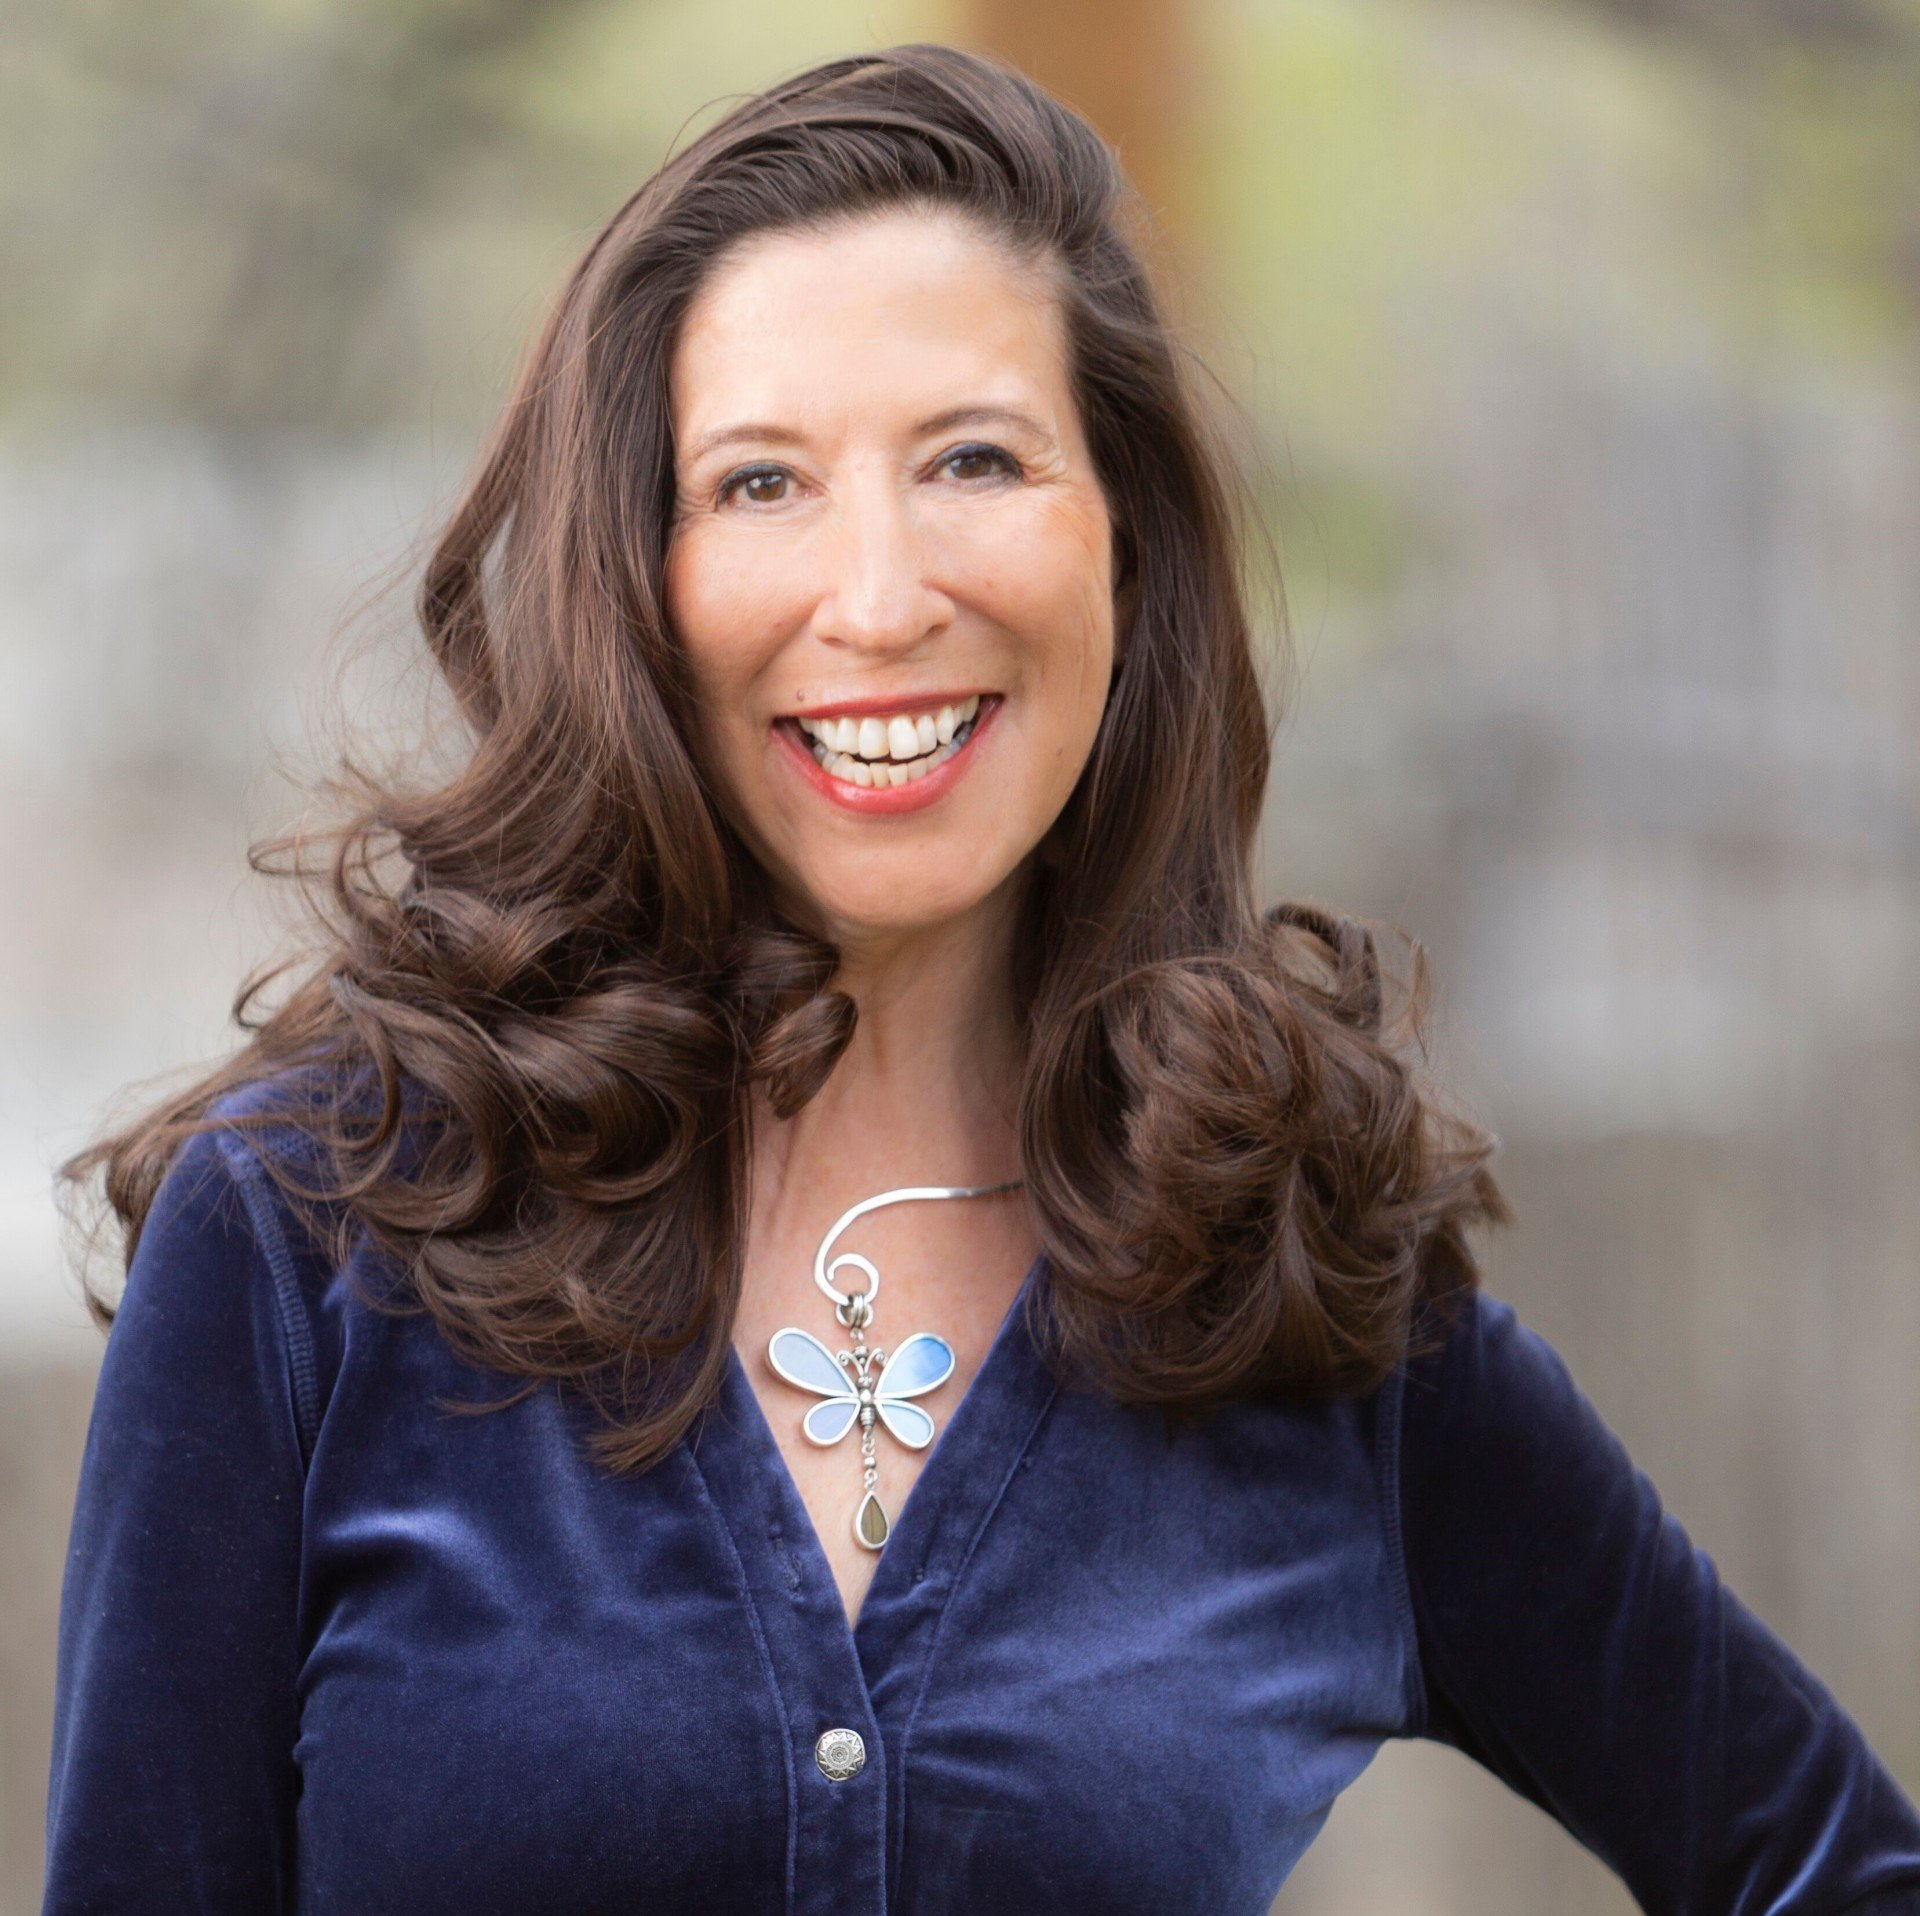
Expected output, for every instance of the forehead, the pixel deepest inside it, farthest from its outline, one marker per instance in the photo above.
(909, 307)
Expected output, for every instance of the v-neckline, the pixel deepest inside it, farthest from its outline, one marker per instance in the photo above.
(748, 1417)
(828, 1675)
(826, 1671)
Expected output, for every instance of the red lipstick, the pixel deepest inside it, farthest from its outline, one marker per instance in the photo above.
(885, 800)
(887, 703)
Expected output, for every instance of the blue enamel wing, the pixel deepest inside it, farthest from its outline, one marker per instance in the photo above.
(921, 1363)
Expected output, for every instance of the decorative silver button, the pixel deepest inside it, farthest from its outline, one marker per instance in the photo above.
(840, 1754)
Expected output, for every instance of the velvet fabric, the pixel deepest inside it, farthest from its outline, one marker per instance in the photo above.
(326, 1646)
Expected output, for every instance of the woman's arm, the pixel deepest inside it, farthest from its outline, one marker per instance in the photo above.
(1578, 1645)
(172, 1784)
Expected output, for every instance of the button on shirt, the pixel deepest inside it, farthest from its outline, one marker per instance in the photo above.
(327, 1645)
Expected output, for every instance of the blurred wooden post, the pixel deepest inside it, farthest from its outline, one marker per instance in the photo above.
(1126, 65)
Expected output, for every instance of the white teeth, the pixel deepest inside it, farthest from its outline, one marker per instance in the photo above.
(884, 752)
(903, 735)
(856, 771)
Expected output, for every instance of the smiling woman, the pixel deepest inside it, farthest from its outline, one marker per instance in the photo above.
(867, 749)
(869, 587)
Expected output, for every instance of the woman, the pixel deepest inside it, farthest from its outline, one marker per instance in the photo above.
(866, 756)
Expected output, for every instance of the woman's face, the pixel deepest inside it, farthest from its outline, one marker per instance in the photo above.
(891, 565)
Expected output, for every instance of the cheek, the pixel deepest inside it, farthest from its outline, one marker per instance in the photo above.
(1050, 582)
(725, 610)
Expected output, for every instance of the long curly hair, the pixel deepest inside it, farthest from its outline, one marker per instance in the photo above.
(542, 988)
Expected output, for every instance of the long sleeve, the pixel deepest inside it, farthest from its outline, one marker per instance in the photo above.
(172, 1785)
(1576, 1643)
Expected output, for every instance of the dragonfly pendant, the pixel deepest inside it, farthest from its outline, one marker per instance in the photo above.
(859, 1388)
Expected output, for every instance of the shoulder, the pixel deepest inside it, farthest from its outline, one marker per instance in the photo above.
(1479, 1378)
(1492, 1436)
(235, 1276)
(1519, 1504)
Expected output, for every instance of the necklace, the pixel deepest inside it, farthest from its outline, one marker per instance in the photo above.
(862, 1387)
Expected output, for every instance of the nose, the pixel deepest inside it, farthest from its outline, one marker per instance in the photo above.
(877, 596)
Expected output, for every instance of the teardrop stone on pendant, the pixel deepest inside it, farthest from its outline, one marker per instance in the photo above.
(870, 1525)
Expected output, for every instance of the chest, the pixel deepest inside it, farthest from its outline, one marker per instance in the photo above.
(1093, 1670)
(954, 1272)
(854, 1418)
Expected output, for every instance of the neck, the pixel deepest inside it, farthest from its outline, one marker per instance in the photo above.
(927, 1088)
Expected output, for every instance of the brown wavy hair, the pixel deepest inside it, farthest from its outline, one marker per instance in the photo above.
(542, 987)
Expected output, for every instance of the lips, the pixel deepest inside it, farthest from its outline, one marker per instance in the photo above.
(894, 749)
(882, 704)
(897, 771)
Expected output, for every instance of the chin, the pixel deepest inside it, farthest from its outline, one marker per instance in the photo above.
(869, 918)
(875, 907)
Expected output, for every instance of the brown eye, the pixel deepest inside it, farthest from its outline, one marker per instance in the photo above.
(761, 485)
(979, 462)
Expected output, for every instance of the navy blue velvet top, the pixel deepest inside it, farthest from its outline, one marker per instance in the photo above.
(326, 1646)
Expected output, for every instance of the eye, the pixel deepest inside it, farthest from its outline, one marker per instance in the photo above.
(762, 485)
(980, 461)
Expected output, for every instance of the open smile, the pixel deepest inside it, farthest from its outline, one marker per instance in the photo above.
(888, 761)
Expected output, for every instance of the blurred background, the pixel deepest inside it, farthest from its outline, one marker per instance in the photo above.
(1582, 341)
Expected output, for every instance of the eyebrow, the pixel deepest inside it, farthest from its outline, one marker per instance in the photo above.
(763, 430)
